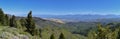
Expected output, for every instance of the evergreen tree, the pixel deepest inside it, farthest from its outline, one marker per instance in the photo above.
(103, 33)
(19, 26)
(40, 31)
(13, 22)
(118, 37)
(52, 36)
(61, 36)
(36, 32)
(23, 23)
(2, 17)
(114, 34)
(6, 20)
(30, 23)
(92, 35)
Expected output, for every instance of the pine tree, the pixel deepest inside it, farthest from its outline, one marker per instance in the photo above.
(13, 22)
(52, 36)
(118, 37)
(61, 36)
(30, 23)
(103, 33)
(36, 32)
(114, 34)
(23, 23)
(2, 17)
(40, 31)
(92, 35)
(6, 20)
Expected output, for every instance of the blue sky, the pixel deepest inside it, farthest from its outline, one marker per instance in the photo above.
(60, 7)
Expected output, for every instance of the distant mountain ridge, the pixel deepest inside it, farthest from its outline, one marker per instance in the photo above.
(87, 17)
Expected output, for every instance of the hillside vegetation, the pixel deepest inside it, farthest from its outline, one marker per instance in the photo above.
(26, 28)
(35, 28)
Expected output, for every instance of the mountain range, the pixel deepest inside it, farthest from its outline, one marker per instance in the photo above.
(84, 18)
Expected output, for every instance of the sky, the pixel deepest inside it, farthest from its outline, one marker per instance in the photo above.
(60, 7)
